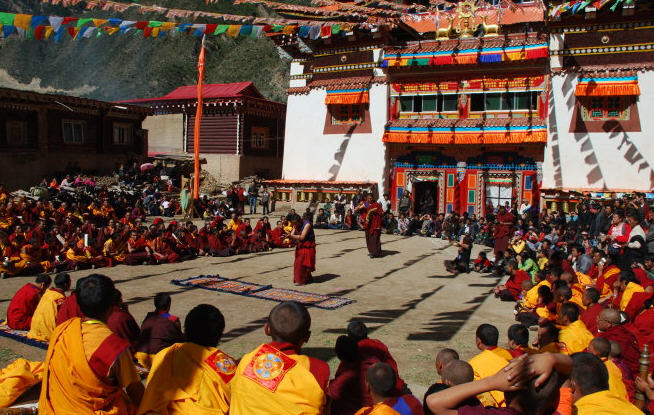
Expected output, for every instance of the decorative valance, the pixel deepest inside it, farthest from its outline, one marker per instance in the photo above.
(347, 96)
(610, 86)
(486, 84)
(466, 135)
(466, 56)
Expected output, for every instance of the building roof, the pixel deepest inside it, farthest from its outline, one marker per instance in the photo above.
(16, 97)
(302, 182)
(209, 91)
(426, 22)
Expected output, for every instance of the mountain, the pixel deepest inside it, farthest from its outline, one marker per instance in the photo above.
(124, 67)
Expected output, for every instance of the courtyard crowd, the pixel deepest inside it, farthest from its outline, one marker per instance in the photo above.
(582, 281)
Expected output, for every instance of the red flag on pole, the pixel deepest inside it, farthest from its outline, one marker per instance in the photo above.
(196, 129)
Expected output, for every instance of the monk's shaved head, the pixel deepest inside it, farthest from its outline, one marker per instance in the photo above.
(289, 321)
(443, 358)
(600, 347)
(458, 372)
(381, 378)
(616, 349)
(611, 316)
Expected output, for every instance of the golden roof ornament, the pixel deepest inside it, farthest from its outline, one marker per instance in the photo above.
(467, 24)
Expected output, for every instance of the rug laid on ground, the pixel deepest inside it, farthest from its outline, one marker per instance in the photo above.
(20, 335)
(266, 292)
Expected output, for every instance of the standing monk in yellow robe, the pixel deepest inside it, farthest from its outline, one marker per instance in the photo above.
(275, 378)
(574, 337)
(89, 369)
(45, 315)
(192, 377)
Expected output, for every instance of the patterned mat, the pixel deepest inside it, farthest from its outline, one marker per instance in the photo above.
(21, 336)
(217, 283)
(266, 292)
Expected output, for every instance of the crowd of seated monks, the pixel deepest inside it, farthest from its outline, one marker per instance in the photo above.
(37, 237)
(95, 346)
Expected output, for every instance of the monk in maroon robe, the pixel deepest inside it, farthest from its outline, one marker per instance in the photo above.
(372, 212)
(160, 329)
(510, 291)
(122, 323)
(610, 328)
(305, 251)
(69, 308)
(503, 228)
(23, 303)
(590, 300)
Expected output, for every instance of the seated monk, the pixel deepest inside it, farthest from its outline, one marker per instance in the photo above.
(70, 307)
(28, 261)
(576, 289)
(162, 250)
(348, 389)
(626, 289)
(601, 348)
(510, 291)
(593, 308)
(195, 376)
(380, 380)
(491, 360)
(519, 340)
(609, 327)
(45, 315)
(294, 383)
(80, 256)
(24, 302)
(159, 330)
(574, 337)
(455, 373)
(608, 275)
(277, 236)
(122, 323)
(138, 251)
(17, 378)
(114, 249)
(89, 369)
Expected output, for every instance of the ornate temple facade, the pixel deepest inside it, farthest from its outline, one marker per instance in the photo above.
(473, 106)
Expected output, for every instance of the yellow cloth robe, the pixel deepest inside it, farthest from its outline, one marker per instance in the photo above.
(487, 364)
(616, 385)
(379, 409)
(17, 378)
(574, 338)
(531, 298)
(43, 321)
(187, 378)
(605, 403)
(631, 289)
(288, 387)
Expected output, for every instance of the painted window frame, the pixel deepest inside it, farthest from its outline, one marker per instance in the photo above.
(71, 140)
(128, 138)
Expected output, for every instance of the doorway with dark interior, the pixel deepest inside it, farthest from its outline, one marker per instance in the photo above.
(425, 197)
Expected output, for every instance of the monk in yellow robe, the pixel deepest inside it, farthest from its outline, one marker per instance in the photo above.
(275, 378)
(548, 338)
(17, 378)
(89, 369)
(490, 361)
(192, 377)
(114, 249)
(601, 348)
(380, 381)
(574, 336)
(45, 315)
(530, 300)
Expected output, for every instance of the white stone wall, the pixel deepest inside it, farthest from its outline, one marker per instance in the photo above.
(310, 154)
(598, 161)
(166, 133)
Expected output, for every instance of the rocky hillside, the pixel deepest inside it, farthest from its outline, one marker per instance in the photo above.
(123, 67)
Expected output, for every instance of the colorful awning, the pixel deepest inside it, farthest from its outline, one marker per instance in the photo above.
(466, 135)
(347, 96)
(601, 87)
(466, 56)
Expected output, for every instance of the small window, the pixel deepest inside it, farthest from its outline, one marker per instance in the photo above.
(259, 137)
(123, 134)
(16, 133)
(477, 102)
(406, 104)
(347, 114)
(430, 103)
(493, 102)
(605, 108)
(73, 131)
(450, 102)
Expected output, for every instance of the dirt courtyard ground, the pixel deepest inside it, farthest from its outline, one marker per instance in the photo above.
(406, 298)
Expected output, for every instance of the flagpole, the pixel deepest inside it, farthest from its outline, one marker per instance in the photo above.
(198, 121)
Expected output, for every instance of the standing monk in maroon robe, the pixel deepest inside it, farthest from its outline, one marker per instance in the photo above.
(305, 250)
(503, 228)
(372, 212)
(24, 302)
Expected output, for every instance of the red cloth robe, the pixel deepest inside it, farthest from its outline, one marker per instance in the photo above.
(514, 284)
(69, 309)
(305, 256)
(589, 317)
(602, 280)
(502, 233)
(626, 339)
(123, 324)
(22, 306)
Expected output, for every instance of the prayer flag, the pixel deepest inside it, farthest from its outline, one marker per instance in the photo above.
(233, 30)
(23, 21)
(245, 30)
(55, 22)
(222, 28)
(82, 22)
(38, 21)
(198, 122)
(7, 19)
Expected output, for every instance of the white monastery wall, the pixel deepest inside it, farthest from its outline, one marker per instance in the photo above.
(311, 155)
(598, 161)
